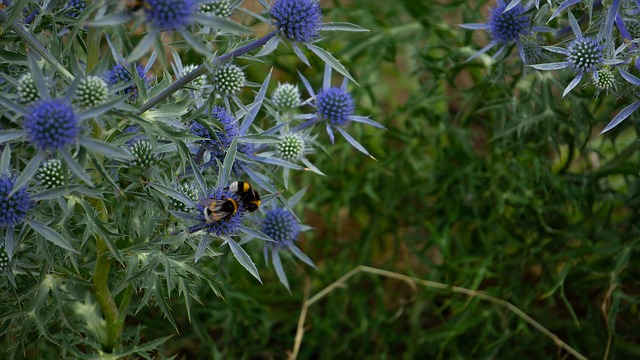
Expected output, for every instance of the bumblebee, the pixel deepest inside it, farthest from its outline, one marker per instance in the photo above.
(217, 210)
(249, 196)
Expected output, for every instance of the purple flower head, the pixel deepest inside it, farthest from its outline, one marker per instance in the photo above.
(335, 105)
(227, 226)
(508, 26)
(170, 14)
(51, 124)
(13, 208)
(119, 73)
(281, 226)
(297, 20)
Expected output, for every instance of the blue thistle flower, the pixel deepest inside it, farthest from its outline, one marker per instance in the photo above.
(14, 207)
(584, 53)
(240, 167)
(220, 140)
(506, 24)
(32, 16)
(633, 27)
(119, 73)
(282, 227)
(229, 124)
(335, 105)
(531, 50)
(51, 124)
(75, 7)
(297, 20)
(225, 227)
(200, 130)
(170, 14)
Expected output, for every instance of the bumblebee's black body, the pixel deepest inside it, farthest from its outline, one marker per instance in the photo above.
(223, 209)
(249, 196)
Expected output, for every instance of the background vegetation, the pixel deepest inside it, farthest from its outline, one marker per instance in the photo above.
(485, 179)
(474, 186)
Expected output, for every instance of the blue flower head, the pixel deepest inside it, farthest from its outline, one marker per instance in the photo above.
(228, 226)
(51, 124)
(198, 129)
(584, 54)
(297, 20)
(281, 226)
(508, 26)
(170, 14)
(229, 124)
(240, 167)
(119, 73)
(504, 28)
(220, 140)
(531, 50)
(14, 207)
(335, 105)
(32, 16)
(75, 7)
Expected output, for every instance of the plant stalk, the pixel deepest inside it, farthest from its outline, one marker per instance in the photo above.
(200, 70)
(102, 293)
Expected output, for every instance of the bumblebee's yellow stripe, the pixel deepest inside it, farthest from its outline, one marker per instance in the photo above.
(235, 206)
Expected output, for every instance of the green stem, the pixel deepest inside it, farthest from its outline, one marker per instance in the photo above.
(114, 318)
(101, 287)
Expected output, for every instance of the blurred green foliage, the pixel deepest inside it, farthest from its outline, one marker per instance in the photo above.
(485, 179)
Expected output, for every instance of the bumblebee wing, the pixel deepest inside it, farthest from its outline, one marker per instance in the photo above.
(206, 202)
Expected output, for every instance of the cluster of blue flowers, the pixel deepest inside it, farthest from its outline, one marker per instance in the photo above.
(595, 40)
(195, 137)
